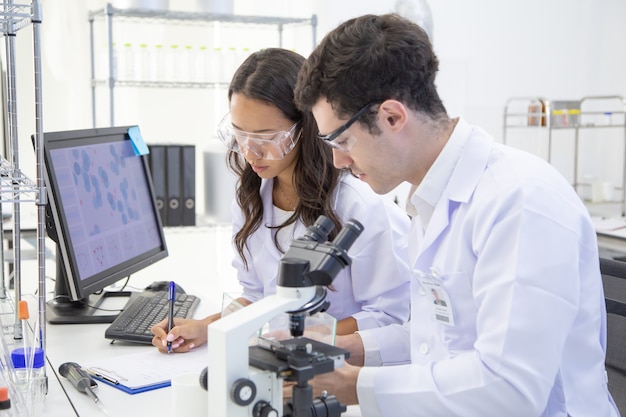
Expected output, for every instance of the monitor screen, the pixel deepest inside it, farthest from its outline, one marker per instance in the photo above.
(102, 214)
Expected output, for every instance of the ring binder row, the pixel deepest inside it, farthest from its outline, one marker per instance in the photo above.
(173, 170)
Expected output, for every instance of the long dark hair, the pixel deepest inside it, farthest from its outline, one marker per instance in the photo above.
(270, 75)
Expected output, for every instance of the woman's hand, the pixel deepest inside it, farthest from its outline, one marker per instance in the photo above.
(185, 335)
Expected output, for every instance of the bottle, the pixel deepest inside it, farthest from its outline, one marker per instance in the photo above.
(143, 63)
(187, 69)
(215, 63)
(5, 402)
(229, 64)
(21, 367)
(172, 64)
(203, 64)
(126, 64)
(161, 62)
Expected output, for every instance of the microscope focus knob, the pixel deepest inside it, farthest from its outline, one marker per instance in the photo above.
(243, 391)
(264, 409)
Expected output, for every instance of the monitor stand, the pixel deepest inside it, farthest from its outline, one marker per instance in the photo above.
(62, 310)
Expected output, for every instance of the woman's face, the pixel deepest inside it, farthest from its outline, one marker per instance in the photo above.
(263, 119)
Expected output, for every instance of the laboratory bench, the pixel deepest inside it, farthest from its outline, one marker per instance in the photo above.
(199, 261)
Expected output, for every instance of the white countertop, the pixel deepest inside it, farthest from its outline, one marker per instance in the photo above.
(199, 261)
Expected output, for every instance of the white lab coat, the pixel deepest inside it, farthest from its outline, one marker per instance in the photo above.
(517, 255)
(374, 289)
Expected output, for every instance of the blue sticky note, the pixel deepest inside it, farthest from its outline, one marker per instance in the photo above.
(137, 141)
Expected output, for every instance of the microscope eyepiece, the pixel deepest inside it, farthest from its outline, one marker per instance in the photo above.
(319, 230)
(348, 234)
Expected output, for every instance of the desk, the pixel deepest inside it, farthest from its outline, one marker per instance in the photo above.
(189, 249)
(611, 233)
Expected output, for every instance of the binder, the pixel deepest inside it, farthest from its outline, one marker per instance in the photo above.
(158, 169)
(189, 185)
(174, 186)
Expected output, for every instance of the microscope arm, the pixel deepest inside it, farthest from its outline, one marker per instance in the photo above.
(309, 262)
(228, 345)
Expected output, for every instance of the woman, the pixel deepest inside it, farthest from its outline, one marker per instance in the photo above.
(286, 181)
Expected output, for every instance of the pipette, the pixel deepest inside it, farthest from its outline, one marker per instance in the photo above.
(23, 316)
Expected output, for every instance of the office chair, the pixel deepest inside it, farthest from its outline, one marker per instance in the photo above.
(614, 282)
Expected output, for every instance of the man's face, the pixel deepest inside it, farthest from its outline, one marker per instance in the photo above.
(370, 157)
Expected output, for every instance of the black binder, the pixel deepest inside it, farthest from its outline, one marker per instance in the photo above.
(174, 186)
(158, 169)
(189, 185)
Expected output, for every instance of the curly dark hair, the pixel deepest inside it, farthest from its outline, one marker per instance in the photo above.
(372, 58)
(270, 75)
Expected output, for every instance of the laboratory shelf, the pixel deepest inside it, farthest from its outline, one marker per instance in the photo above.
(173, 17)
(163, 84)
(14, 17)
(15, 187)
(604, 114)
(220, 23)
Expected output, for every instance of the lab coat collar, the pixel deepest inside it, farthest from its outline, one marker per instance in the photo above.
(430, 190)
(471, 164)
(463, 181)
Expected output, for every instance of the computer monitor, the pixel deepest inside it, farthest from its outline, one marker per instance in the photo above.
(101, 212)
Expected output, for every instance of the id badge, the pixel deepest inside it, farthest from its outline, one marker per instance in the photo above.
(441, 305)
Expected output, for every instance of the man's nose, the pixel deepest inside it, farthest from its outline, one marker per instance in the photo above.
(341, 159)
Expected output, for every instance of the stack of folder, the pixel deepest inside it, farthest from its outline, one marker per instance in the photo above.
(173, 169)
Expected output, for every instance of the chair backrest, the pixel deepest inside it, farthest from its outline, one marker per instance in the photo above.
(614, 281)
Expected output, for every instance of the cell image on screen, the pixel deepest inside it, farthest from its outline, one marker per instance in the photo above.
(107, 205)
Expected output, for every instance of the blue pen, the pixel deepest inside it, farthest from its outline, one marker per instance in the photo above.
(170, 316)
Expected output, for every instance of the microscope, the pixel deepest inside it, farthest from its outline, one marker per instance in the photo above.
(247, 381)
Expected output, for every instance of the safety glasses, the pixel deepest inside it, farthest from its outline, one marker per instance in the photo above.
(269, 145)
(345, 144)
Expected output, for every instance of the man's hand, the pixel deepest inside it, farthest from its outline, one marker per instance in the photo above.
(341, 383)
(353, 344)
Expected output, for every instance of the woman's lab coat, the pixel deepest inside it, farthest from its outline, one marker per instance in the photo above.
(516, 253)
(374, 289)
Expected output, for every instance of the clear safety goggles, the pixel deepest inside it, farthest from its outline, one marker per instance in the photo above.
(271, 145)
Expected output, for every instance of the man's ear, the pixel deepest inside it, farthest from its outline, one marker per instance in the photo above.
(393, 114)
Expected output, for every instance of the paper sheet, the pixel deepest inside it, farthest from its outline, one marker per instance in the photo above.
(146, 369)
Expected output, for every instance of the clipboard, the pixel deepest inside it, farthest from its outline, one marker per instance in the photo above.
(147, 370)
(130, 390)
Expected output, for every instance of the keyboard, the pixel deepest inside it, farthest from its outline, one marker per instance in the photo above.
(145, 310)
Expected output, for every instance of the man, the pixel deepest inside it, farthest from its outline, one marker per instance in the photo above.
(499, 234)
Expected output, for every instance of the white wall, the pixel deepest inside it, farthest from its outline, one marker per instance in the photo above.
(489, 51)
